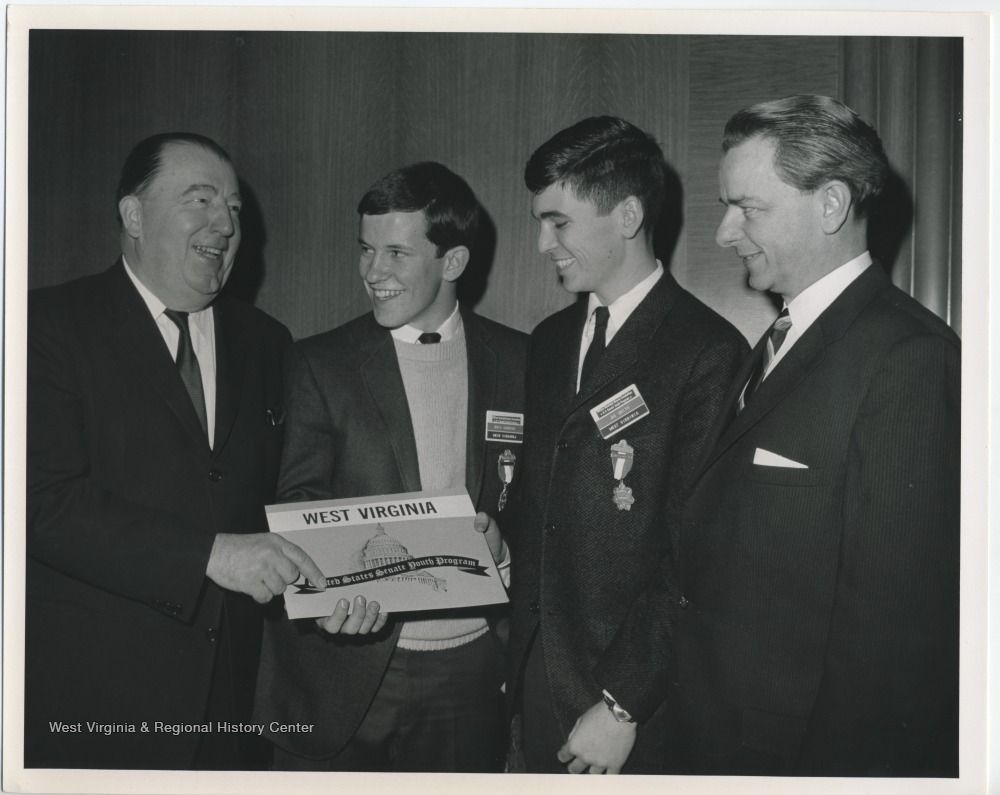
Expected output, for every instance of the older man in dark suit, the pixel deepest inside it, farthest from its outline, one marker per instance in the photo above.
(816, 629)
(622, 391)
(154, 430)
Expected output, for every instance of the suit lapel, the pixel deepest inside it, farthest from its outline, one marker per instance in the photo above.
(731, 403)
(482, 377)
(230, 357)
(380, 373)
(139, 340)
(628, 345)
(804, 357)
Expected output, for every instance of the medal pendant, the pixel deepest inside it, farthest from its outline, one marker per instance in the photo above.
(623, 497)
(505, 470)
(622, 456)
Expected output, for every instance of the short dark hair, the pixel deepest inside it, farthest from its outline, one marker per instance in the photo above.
(817, 139)
(446, 200)
(144, 161)
(604, 160)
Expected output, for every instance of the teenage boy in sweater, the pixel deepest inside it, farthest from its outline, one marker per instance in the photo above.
(396, 401)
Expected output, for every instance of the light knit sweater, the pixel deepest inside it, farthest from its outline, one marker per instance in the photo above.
(436, 378)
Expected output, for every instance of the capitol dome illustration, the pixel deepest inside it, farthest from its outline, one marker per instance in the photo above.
(384, 550)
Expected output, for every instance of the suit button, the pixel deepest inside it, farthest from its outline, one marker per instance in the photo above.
(534, 608)
(683, 602)
(211, 634)
(214, 475)
(550, 528)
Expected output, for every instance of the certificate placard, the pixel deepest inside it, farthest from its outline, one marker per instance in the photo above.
(413, 551)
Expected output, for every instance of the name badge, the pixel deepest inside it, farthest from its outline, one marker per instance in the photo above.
(504, 426)
(619, 411)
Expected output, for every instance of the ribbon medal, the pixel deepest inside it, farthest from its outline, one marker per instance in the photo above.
(622, 456)
(505, 469)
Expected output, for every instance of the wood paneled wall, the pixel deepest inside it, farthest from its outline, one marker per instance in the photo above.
(312, 119)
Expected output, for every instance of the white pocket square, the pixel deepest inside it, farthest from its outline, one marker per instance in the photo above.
(766, 458)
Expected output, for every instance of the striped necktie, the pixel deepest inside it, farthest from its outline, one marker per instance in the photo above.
(775, 337)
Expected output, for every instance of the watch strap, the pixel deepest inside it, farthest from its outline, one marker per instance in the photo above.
(618, 712)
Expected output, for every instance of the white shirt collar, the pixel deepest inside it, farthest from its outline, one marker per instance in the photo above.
(156, 306)
(447, 330)
(814, 300)
(623, 306)
(811, 302)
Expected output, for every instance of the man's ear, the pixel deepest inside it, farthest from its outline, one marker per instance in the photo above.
(130, 209)
(631, 216)
(455, 260)
(834, 200)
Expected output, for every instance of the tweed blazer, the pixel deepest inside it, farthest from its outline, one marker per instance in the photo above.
(589, 577)
(349, 434)
(820, 633)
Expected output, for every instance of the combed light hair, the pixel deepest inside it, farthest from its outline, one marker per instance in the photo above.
(817, 139)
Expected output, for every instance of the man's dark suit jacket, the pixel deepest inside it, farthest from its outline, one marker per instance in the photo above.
(124, 501)
(349, 434)
(820, 635)
(594, 575)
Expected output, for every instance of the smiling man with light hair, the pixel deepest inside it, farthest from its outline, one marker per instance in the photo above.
(818, 633)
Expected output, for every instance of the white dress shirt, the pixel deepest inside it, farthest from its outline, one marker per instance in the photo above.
(813, 301)
(618, 312)
(202, 328)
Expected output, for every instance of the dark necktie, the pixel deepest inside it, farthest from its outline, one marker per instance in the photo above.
(187, 365)
(429, 338)
(597, 343)
(775, 337)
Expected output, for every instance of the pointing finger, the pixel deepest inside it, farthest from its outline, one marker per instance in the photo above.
(305, 564)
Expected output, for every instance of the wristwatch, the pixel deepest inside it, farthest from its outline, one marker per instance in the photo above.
(618, 712)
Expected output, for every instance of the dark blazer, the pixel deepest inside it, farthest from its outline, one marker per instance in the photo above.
(349, 434)
(820, 635)
(594, 576)
(124, 501)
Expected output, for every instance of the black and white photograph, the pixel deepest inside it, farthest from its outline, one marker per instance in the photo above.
(693, 306)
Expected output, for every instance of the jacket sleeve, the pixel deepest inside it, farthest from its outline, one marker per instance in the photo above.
(78, 524)
(633, 668)
(307, 459)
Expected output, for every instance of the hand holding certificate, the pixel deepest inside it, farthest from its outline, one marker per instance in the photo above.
(415, 551)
